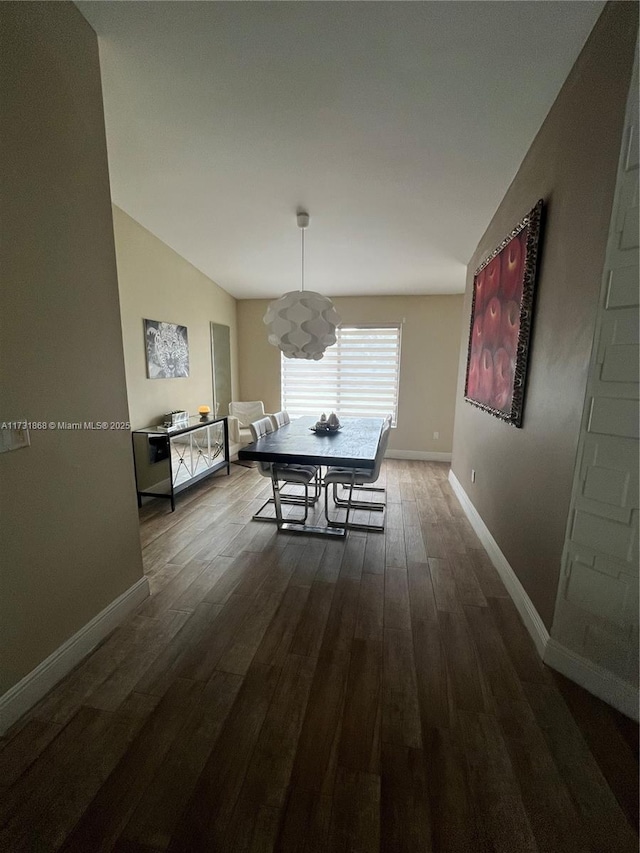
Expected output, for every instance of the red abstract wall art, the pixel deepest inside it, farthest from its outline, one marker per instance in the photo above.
(503, 292)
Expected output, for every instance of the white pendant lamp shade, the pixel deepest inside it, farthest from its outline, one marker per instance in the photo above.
(302, 323)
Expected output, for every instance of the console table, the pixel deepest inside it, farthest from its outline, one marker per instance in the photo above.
(169, 460)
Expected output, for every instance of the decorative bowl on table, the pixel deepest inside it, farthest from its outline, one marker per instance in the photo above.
(326, 424)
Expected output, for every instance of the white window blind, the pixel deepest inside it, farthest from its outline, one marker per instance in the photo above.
(357, 377)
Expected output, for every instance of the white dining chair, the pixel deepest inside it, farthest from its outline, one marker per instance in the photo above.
(296, 474)
(352, 478)
(362, 487)
(280, 419)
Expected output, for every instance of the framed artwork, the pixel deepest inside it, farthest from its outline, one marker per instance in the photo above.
(167, 349)
(500, 329)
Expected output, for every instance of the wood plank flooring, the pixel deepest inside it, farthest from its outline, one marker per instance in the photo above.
(287, 693)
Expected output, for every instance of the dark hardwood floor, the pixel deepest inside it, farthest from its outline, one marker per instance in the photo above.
(281, 692)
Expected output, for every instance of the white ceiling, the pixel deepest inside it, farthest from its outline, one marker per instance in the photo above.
(398, 126)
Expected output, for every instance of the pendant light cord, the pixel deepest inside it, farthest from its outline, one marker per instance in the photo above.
(302, 288)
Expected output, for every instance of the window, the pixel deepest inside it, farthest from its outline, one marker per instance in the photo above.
(357, 377)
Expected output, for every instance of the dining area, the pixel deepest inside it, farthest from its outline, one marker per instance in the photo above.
(322, 473)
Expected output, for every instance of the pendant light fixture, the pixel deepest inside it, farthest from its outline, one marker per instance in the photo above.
(302, 323)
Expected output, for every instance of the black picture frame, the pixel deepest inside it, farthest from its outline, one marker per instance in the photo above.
(501, 319)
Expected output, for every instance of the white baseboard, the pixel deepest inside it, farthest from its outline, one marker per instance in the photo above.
(425, 455)
(584, 672)
(530, 616)
(597, 680)
(24, 695)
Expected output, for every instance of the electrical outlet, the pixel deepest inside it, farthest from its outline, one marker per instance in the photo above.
(473, 475)
(436, 435)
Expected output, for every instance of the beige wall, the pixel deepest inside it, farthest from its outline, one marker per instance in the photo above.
(158, 284)
(69, 529)
(430, 346)
(524, 476)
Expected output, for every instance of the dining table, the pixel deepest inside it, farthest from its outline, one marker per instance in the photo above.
(353, 445)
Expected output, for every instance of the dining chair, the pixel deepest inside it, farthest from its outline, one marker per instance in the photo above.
(241, 416)
(296, 474)
(352, 478)
(267, 425)
(366, 505)
(280, 419)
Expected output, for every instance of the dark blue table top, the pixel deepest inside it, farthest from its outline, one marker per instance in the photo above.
(353, 446)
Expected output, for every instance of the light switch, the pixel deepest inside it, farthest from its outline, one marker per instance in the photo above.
(14, 439)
